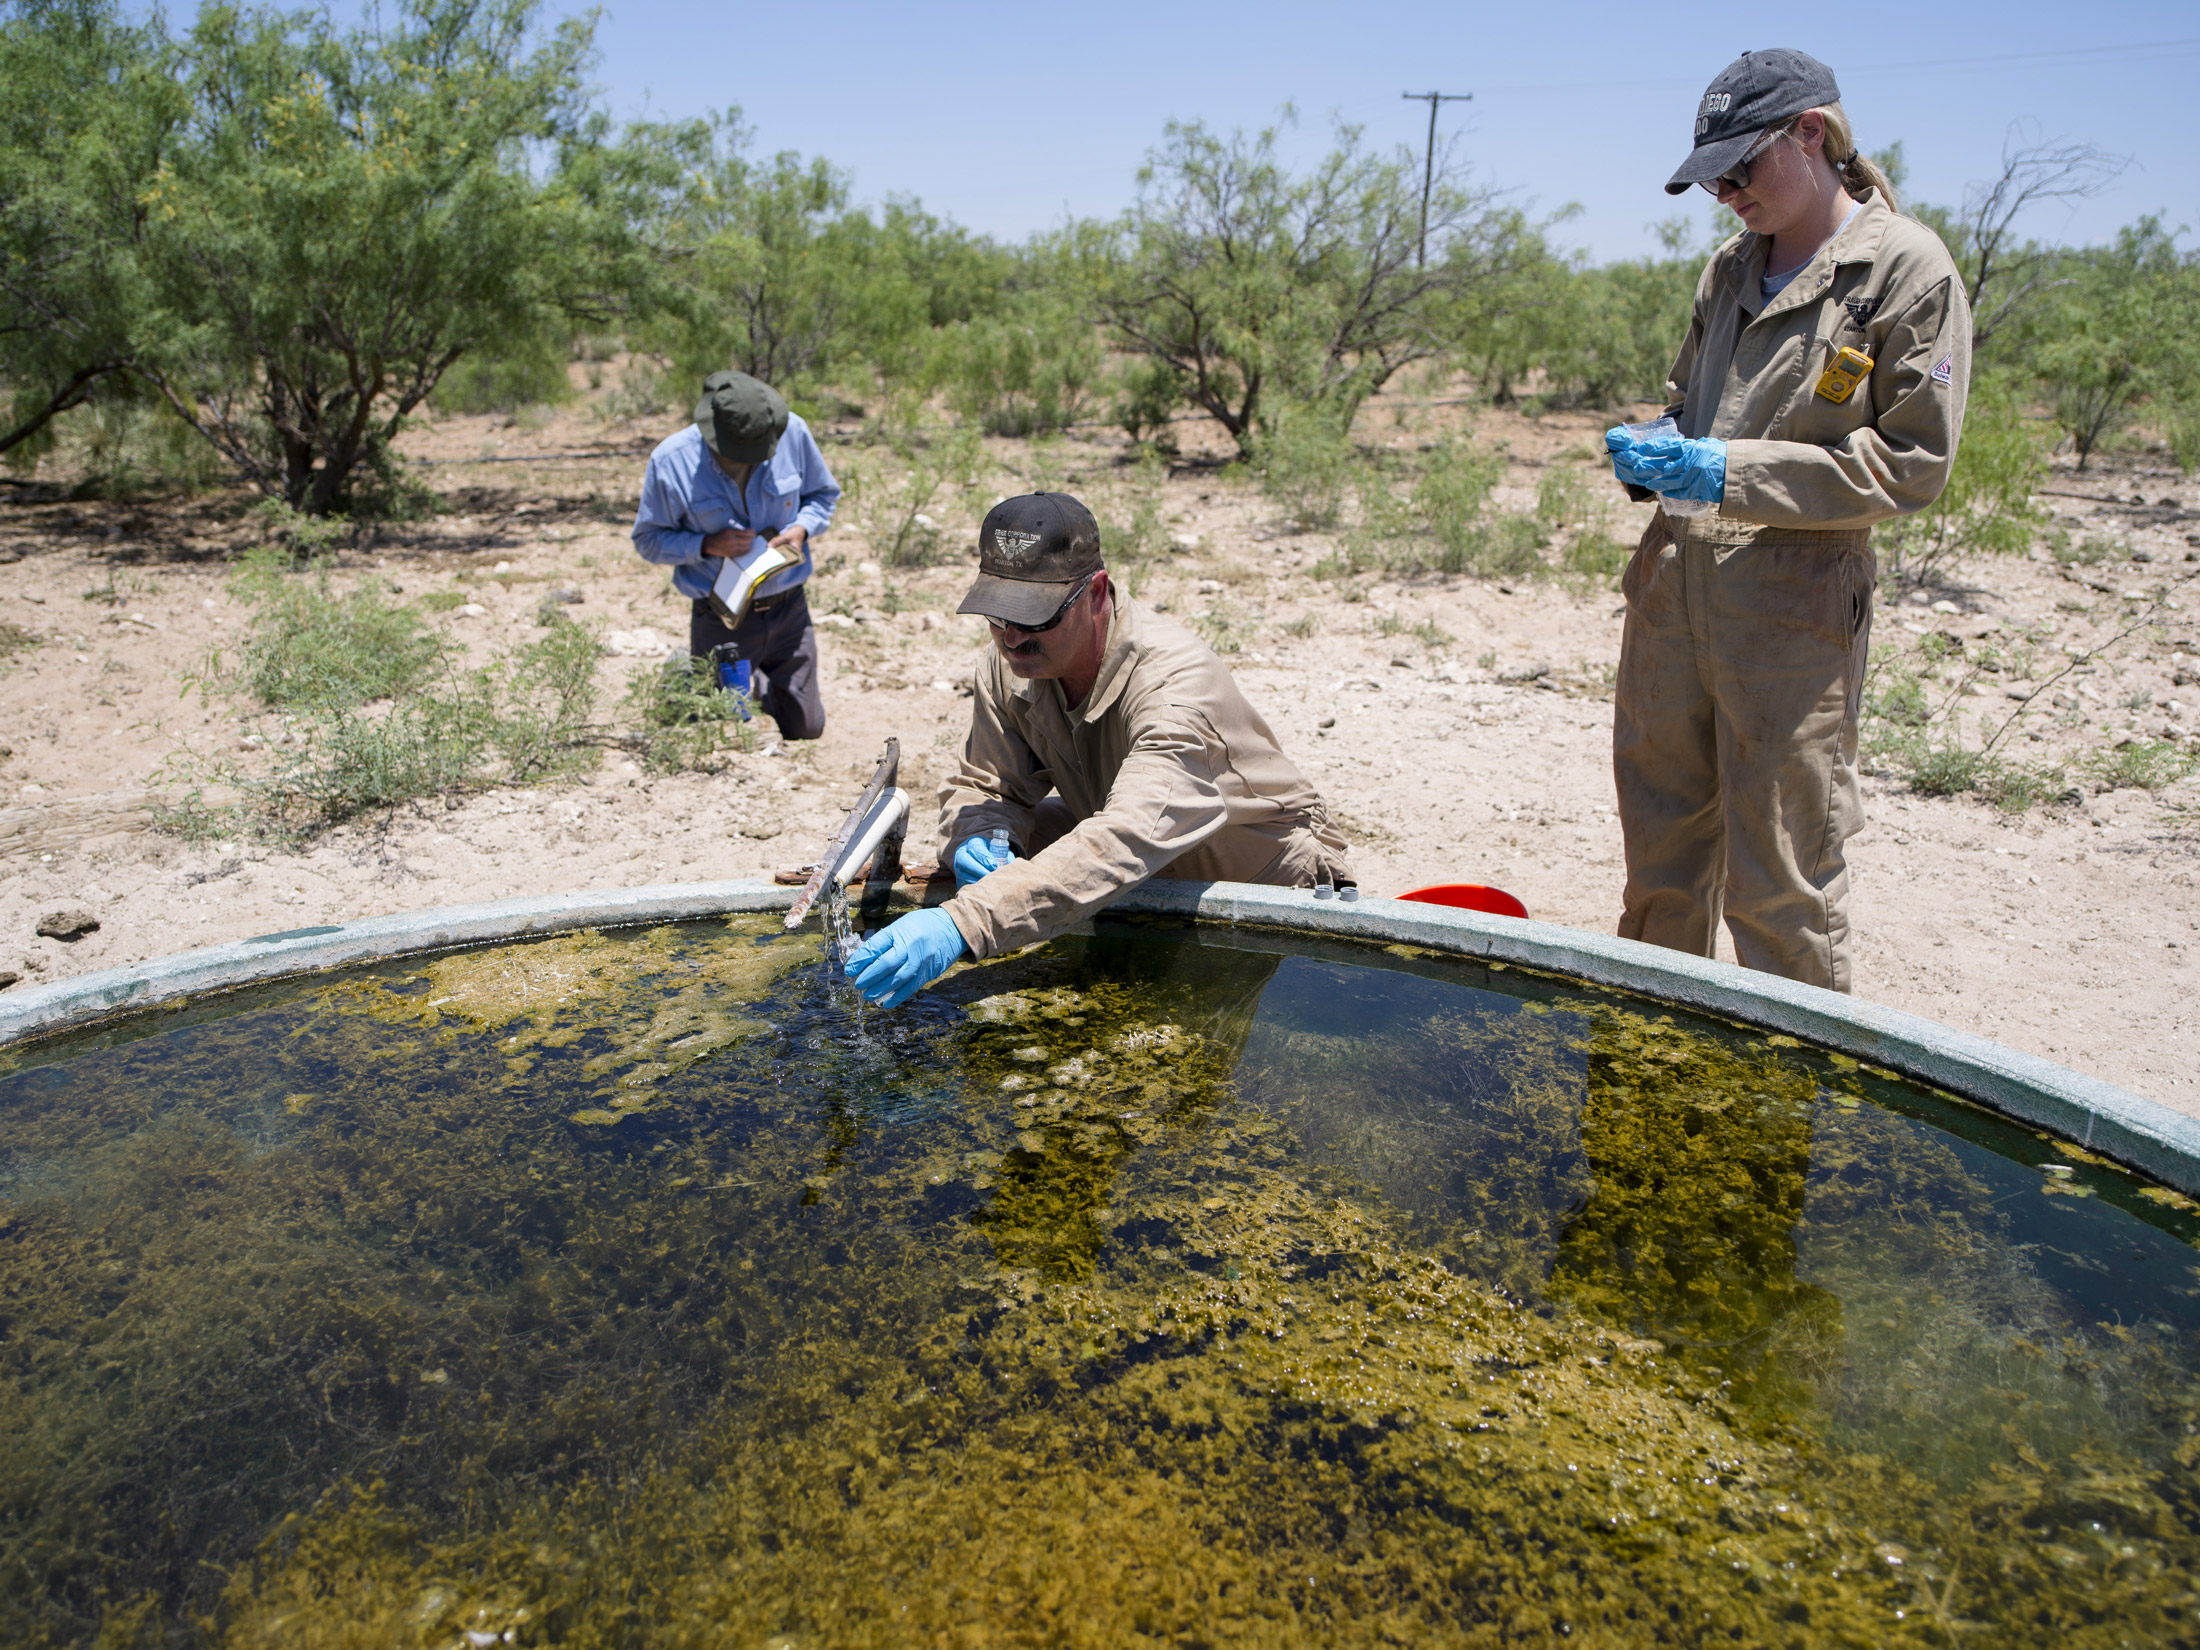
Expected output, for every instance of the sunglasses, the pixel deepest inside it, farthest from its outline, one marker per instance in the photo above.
(1060, 613)
(1737, 177)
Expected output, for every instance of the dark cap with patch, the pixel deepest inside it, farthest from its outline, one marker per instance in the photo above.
(1032, 552)
(1756, 90)
(742, 418)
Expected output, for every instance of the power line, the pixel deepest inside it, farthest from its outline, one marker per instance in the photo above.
(1428, 166)
(2082, 56)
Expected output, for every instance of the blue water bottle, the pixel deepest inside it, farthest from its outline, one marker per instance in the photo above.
(734, 676)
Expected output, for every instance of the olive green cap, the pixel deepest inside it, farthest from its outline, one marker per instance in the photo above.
(742, 418)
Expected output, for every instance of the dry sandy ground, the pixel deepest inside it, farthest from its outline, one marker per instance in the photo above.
(2067, 930)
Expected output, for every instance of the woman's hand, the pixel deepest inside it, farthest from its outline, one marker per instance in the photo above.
(1672, 465)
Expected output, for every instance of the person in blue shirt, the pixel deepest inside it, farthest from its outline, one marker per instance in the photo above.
(746, 469)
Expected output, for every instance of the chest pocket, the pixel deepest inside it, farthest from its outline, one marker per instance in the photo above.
(1843, 320)
(786, 493)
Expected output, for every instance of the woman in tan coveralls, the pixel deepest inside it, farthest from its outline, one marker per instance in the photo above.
(1820, 390)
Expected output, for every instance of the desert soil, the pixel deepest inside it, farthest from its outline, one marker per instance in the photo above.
(2067, 930)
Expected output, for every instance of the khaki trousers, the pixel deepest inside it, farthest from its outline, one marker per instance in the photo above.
(1734, 740)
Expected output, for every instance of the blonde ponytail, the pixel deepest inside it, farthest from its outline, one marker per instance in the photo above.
(1859, 173)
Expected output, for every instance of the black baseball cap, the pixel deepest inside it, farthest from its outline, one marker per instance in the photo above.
(1033, 551)
(742, 418)
(1756, 90)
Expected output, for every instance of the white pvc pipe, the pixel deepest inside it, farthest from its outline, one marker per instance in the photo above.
(890, 811)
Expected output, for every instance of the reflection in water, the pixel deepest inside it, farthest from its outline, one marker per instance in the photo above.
(1700, 1154)
(623, 1289)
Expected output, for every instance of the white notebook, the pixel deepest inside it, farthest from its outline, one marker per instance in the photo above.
(738, 577)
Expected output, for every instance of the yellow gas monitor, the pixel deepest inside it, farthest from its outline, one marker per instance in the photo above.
(1849, 369)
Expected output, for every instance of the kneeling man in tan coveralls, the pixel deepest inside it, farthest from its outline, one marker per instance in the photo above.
(1110, 745)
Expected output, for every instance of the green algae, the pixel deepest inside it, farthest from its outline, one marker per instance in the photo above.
(1114, 1295)
(559, 990)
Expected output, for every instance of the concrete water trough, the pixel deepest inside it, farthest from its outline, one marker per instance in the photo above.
(2095, 1114)
(597, 1268)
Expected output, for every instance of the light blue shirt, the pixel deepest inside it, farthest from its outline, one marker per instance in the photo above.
(686, 497)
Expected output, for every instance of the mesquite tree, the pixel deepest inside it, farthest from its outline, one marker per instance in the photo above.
(345, 215)
(1255, 285)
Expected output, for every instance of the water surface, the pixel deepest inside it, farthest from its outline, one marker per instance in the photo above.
(1145, 1287)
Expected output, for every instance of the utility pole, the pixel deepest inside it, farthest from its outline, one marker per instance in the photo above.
(1428, 164)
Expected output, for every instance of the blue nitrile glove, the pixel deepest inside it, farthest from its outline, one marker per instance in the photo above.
(1673, 465)
(978, 858)
(904, 957)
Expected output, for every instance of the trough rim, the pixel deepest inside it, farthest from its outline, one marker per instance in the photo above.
(2104, 1118)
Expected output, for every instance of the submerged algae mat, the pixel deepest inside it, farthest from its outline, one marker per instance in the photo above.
(632, 1289)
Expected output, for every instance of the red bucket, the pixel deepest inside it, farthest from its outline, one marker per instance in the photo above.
(1469, 896)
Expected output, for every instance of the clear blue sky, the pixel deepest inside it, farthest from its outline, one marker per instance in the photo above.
(1007, 117)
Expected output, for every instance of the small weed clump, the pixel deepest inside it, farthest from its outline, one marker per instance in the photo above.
(523, 718)
(1133, 534)
(1900, 723)
(309, 647)
(686, 719)
(894, 505)
(1221, 628)
(1594, 556)
(1454, 500)
(1307, 464)
(2144, 764)
(2090, 551)
(352, 701)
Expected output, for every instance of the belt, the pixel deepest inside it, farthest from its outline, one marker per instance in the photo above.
(760, 604)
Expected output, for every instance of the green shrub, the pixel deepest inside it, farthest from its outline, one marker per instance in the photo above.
(1987, 505)
(1306, 463)
(1133, 532)
(2144, 764)
(309, 646)
(685, 718)
(2090, 551)
(544, 698)
(127, 449)
(1454, 491)
(2014, 787)
(354, 703)
(1562, 499)
(1147, 394)
(1019, 374)
(935, 467)
(1595, 556)
(643, 389)
(529, 372)
(1945, 770)
(1898, 697)
(1509, 545)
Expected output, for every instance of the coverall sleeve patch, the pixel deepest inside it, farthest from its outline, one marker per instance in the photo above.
(1946, 370)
